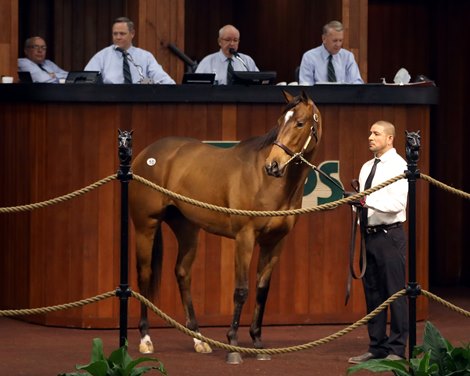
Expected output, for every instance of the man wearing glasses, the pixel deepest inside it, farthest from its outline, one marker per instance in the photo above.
(35, 62)
(227, 59)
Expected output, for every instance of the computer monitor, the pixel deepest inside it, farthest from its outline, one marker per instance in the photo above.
(84, 77)
(254, 78)
(25, 77)
(199, 78)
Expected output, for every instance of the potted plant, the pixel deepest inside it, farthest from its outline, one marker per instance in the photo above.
(119, 363)
(435, 357)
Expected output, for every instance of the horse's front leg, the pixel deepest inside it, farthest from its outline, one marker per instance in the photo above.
(243, 253)
(268, 258)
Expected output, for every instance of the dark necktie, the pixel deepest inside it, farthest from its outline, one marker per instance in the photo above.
(331, 70)
(126, 71)
(42, 68)
(367, 185)
(229, 72)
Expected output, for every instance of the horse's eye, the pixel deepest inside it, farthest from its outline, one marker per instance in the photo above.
(299, 124)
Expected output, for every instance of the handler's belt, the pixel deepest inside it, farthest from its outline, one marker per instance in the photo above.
(381, 228)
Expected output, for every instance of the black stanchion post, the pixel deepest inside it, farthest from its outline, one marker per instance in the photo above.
(124, 175)
(413, 143)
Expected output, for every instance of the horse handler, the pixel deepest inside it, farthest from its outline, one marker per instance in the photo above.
(382, 215)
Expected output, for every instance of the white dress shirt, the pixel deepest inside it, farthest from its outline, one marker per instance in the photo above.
(142, 64)
(217, 63)
(40, 75)
(387, 205)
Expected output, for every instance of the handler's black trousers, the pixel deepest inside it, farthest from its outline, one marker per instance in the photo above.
(385, 275)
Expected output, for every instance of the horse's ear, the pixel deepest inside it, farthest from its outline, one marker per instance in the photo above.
(304, 96)
(289, 97)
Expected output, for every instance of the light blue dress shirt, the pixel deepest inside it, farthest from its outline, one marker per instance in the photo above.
(314, 67)
(217, 63)
(39, 75)
(142, 64)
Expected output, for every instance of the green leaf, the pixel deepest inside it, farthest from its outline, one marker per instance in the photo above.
(399, 367)
(98, 368)
(131, 367)
(97, 350)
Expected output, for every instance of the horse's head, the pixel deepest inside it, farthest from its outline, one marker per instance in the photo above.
(299, 134)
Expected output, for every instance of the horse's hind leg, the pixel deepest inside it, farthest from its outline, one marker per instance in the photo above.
(145, 247)
(267, 259)
(187, 235)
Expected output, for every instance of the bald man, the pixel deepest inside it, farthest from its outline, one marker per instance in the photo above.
(385, 241)
(228, 40)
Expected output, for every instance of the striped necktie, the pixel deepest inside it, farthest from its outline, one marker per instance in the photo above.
(229, 71)
(331, 70)
(126, 71)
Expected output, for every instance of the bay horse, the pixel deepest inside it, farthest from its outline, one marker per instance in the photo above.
(261, 173)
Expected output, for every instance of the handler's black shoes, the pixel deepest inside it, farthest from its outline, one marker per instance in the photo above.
(361, 358)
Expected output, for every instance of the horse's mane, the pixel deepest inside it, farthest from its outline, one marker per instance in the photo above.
(260, 142)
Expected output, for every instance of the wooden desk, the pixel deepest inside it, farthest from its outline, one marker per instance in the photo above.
(56, 139)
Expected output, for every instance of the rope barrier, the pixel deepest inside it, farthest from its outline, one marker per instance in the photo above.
(60, 307)
(250, 213)
(445, 187)
(69, 196)
(267, 213)
(215, 343)
(182, 198)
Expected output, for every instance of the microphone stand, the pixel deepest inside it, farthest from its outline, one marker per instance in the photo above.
(192, 65)
(237, 56)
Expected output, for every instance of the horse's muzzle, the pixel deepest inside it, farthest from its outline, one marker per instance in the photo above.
(273, 169)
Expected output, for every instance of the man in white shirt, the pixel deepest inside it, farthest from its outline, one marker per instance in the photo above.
(385, 243)
(314, 66)
(218, 62)
(35, 62)
(141, 64)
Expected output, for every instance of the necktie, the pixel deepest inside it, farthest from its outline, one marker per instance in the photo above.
(126, 71)
(367, 185)
(229, 72)
(42, 68)
(331, 70)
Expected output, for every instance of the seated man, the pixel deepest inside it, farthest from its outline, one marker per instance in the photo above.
(219, 62)
(329, 62)
(35, 62)
(123, 63)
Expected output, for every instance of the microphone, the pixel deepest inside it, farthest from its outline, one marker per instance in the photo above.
(191, 64)
(237, 56)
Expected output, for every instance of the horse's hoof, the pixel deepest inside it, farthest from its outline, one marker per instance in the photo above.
(234, 358)
(146, 345)
(263, 357)
(202, 348)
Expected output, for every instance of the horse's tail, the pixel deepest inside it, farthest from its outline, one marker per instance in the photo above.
(157, 259)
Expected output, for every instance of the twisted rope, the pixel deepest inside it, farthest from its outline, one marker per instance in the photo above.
(60, 307)
(281, 350)
(446, 187)
(246, 350)
(37, 205)
(445, 303)
(267, 213)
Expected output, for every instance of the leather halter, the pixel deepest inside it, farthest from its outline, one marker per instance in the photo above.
(313, 132)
